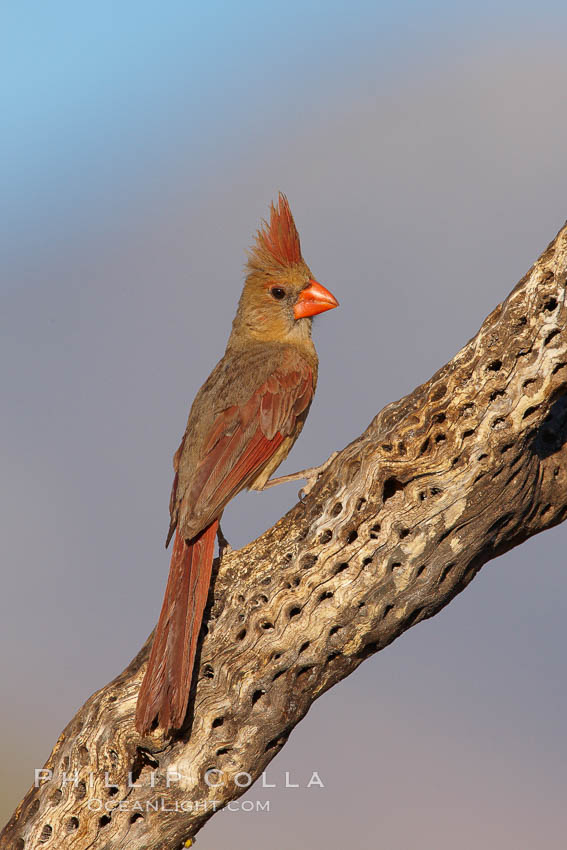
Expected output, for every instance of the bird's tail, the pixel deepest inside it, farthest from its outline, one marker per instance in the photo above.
(165, 689)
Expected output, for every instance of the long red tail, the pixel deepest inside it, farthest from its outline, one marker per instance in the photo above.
(165, 690)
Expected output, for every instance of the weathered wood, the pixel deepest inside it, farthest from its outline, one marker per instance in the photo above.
(467, 466)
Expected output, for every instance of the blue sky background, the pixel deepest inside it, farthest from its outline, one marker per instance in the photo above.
(423, 148)
(96, 98)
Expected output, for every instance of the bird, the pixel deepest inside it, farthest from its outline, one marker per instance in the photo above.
(241, 426)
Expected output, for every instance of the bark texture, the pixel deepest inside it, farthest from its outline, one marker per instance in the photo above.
(465, 467)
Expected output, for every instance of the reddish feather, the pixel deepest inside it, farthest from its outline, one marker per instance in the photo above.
(269, 413)
(242, 440)
(280, 237)
(176, 457)
(165, 689)
(258, 451)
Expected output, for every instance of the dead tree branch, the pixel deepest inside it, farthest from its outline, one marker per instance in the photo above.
(467, 466)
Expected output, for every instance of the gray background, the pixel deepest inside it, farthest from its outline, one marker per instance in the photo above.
(424, 153)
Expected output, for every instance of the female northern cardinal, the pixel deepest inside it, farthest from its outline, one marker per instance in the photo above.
(243, 422)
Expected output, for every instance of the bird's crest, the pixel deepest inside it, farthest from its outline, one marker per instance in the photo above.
(277, 242)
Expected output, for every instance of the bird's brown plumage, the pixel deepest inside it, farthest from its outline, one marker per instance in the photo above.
(242, 424)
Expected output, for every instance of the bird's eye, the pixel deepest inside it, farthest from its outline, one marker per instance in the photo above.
(277, 292)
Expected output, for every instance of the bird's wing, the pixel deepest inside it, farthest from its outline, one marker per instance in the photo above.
(242, 440)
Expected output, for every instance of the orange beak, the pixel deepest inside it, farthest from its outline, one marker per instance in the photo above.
(314, 299)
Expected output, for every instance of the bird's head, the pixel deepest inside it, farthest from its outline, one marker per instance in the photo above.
(280, 295)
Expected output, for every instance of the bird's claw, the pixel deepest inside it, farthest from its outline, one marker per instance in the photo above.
(224, 545)
(312, 475)
(309, 475)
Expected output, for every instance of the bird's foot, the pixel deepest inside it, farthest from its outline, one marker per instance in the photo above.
(310, 475)
(224, 545)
